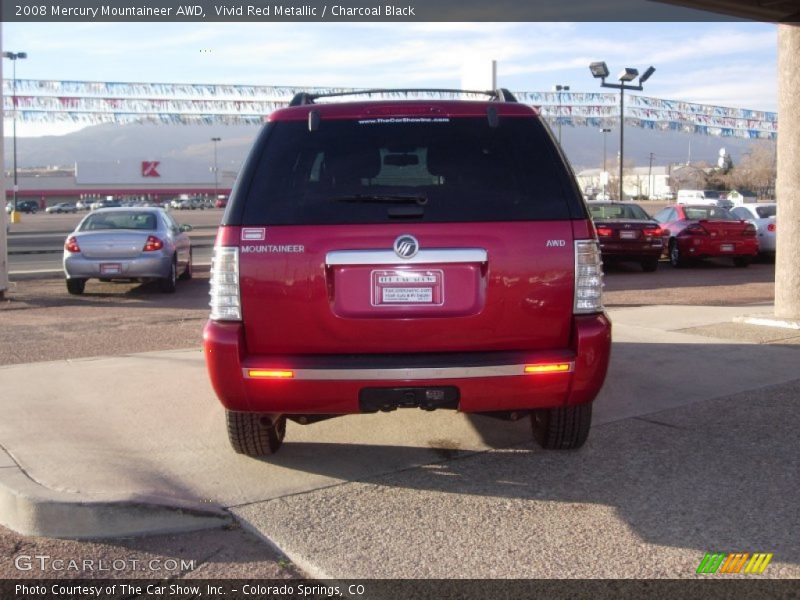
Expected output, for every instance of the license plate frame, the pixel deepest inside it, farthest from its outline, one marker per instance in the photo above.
(110, 269)
(407, 287)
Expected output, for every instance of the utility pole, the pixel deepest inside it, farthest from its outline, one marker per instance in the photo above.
(650, 178)
(216, 179)
(558, 89)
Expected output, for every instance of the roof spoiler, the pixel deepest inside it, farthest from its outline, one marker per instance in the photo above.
(498, 95)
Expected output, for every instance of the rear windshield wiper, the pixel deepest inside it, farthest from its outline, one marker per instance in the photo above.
(383, 199)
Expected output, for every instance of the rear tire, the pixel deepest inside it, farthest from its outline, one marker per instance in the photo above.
(562, 428)
(187, 272)
(741, 261)
(169, 283)
(250, 436)
(76, 286)
(649, 265)
(675, 257)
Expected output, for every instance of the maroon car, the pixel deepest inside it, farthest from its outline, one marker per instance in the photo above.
(426, 253)
(707, 231)
(627, 233)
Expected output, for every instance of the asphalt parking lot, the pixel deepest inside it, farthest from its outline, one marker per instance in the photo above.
(694, 447)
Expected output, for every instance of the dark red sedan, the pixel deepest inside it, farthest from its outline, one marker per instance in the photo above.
(706, 231)
(627, 233)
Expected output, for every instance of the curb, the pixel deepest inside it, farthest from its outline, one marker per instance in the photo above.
(32, 509)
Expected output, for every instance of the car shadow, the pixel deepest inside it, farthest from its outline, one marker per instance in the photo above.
(687, 467)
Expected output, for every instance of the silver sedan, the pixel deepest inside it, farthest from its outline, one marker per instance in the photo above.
(128, 243)
(762, 215)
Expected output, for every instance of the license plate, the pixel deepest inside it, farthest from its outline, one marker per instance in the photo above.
(110, 269)
(409, 287)
(726, 247)
(628, 235)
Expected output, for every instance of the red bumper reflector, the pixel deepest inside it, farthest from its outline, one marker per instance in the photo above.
(269, 374)
(548, 368)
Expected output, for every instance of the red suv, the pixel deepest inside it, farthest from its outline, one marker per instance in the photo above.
(423, 253)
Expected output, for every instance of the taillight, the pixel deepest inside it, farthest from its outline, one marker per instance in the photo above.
(695, 229)
(652, 232)
(225, 301)
(71, 245)
(604, 231)
(588, 277)
(152, 244)
(749, 230)
(771, 227)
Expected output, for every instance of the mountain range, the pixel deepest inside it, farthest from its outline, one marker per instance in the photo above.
(583, 146)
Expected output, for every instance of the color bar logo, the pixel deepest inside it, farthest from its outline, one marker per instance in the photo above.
(742, 562)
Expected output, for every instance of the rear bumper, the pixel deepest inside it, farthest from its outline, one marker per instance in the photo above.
(621, 252)
(157, 265)
(332, 385)
(700, 247)
(766, 243)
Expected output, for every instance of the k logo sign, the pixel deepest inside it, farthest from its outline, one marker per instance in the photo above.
(150, 168)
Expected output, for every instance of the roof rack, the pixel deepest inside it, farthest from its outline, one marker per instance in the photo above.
(498, 95)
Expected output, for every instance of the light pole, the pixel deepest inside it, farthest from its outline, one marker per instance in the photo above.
(216, 181)
(13, 56)
(558, 89)
(604, 131)
(600, 71)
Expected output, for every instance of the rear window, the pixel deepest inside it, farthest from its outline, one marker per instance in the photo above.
(120, 220)
(617, 211)
(382, 170)
(698, 213)
(764, 212)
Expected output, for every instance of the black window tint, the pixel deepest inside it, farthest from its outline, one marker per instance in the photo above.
(698, 213)
(120, 220)
(442, 170)
(618, 211)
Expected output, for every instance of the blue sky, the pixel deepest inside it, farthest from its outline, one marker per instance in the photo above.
(730, 64)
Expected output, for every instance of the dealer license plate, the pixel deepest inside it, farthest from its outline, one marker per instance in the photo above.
(726, 248)
(628, 235)
(110, 269)
(408, 287)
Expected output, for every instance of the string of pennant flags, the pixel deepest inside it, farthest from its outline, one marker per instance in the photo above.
(95, 102)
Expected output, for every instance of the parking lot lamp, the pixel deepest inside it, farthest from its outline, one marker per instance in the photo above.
(599, 70)
(13, 57)
(216, 181)
(558, 89)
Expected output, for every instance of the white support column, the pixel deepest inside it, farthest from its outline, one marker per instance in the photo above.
(787, 261)
(3, 215)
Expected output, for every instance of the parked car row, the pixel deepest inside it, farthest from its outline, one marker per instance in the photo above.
(685, 232)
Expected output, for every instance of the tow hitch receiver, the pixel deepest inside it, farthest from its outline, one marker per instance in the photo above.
(388, 399)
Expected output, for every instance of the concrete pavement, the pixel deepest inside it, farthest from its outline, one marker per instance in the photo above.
(694, 448)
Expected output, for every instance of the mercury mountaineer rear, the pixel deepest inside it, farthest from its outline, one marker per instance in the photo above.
(423, 253)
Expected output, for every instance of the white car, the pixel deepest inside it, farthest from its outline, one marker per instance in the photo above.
(61, 207)
(762, 215)
(704, 198)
